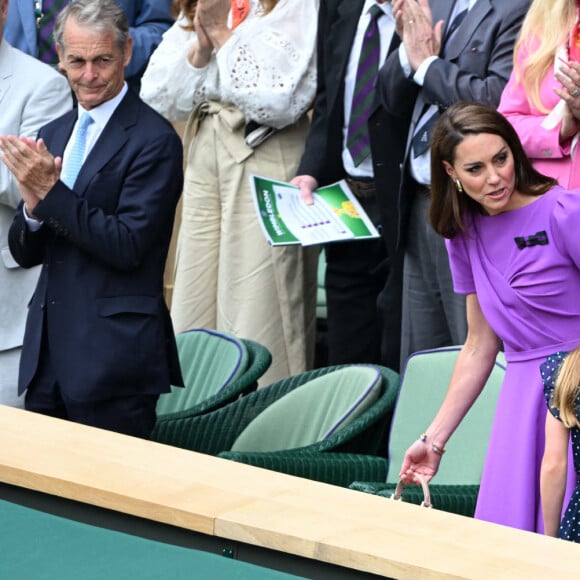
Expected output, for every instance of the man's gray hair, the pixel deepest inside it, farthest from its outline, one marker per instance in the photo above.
(98, 15)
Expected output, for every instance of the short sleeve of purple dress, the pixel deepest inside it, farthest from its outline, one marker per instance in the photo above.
(524, 266)
(570, 525)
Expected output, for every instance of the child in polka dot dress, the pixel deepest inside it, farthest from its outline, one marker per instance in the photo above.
(561, 377)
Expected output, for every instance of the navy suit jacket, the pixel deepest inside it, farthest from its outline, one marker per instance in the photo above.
(103, 246)
(338, 21)
(477, 64)
(148, 20)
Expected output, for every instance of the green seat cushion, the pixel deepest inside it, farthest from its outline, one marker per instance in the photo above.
(313, 411)
(210, 361)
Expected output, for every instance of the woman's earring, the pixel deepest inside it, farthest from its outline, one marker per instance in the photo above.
(459, 186)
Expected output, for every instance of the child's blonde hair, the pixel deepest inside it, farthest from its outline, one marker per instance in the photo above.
(548, 22)
(567, 388)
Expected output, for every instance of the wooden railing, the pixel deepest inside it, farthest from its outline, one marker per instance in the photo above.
(271, 510)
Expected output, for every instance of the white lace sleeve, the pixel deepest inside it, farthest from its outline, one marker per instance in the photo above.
(267, 68)
(169, 62)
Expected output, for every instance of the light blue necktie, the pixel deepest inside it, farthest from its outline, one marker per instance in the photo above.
(77, 153)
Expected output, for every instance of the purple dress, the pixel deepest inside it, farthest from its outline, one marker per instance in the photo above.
(524, 266)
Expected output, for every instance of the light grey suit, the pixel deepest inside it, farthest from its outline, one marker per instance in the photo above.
(31, 94)
(476, 65)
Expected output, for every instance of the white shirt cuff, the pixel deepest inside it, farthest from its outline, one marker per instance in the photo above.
(421, 72)
(33, 225)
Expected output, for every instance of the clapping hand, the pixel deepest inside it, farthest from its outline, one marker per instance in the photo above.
(35, 169)
(569, 76)
(420, 38)
(212, 15)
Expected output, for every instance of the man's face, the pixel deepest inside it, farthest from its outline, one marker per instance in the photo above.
(93, 63)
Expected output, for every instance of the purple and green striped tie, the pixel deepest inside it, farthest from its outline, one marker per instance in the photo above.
(357, 140)
(46, 47)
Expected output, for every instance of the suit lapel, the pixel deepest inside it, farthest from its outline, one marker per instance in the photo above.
(343, 30)
(27, 16)
(62, 134)
(442, 10)
(111, 140)
(464, 33)
(6, 69)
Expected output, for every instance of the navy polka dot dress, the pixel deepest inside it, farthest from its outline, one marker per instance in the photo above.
(570, 525)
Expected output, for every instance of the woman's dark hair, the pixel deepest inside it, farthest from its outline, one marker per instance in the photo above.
(449, 207)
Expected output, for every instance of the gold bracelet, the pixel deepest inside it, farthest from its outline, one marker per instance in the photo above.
(437, 449)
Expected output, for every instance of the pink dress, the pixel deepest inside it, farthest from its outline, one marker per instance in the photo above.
(524, 266)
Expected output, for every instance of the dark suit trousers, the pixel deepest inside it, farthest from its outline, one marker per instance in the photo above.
(433, 314)
(356, 273)
(134, 415)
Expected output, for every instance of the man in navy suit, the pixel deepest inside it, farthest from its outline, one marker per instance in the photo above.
(99, 346)
(148, 20)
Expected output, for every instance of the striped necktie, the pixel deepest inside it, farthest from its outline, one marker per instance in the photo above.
(76, 155)
(49, 10)
(357, 140)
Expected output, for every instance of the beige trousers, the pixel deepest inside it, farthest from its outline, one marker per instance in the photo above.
(227, 276)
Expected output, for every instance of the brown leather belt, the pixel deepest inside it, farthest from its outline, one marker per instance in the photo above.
(363, 188)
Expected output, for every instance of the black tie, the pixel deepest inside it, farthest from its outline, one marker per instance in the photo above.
(455, 24)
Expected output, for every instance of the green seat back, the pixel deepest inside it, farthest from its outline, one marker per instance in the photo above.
(210, 361)
(424, 385)
(313, 411)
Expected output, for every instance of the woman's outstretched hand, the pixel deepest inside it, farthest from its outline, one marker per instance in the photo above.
(419, 459)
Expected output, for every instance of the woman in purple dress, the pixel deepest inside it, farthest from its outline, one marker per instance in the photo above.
(514, 247)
